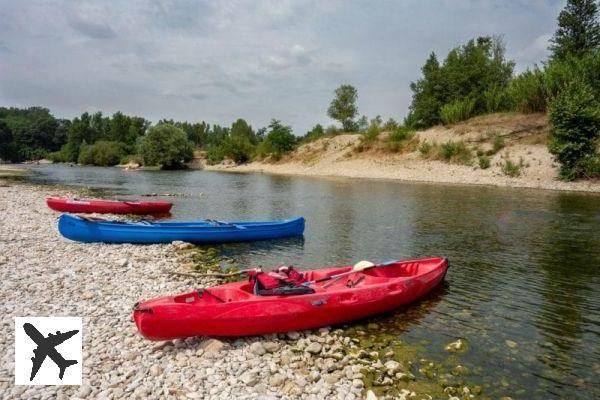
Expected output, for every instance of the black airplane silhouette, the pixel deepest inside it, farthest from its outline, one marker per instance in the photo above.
(46, 347)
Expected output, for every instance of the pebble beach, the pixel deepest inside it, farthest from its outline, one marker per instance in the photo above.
(44, 274)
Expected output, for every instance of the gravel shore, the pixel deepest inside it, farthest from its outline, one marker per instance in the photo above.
(44, 274)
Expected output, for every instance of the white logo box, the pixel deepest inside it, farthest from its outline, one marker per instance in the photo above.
(45, 332)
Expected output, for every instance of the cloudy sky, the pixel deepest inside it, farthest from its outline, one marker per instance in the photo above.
(220, 60)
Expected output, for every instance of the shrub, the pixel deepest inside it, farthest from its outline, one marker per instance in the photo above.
(528, 92)
(498, 144)
(512, 169)
(497, 99)
(167, 146)
(238, 148)
(590, 166)
(484, 162)
(575, 116)
(559, 74)
(279, 141)
(214, 155)
(425, 148)
(456, 152)
(399, 138)
(457, 111)
(102, 153)
(131, 158)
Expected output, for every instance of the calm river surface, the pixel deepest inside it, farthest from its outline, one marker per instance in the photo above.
(525, 264)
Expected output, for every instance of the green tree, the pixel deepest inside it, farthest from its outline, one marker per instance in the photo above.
(167, 146)
(428, 96)
(469, 74)
(103, 153)
(578, 30)
(5, 141)
(279, 141)
(33, 132)
(343, 107)
(575, 117)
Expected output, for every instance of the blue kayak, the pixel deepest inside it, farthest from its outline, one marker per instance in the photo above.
(202, 232)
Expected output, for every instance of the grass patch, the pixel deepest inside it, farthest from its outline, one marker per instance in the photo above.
(401, 139)
(455, 152)
(484, 162)
(498, 144)
(425, 148)
(457, 111)
(512, 169)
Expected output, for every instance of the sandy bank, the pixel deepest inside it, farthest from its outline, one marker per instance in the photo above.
(524, 138)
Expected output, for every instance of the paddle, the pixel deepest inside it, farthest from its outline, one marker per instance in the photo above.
(358, 267)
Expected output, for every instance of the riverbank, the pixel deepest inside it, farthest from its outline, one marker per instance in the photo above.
(520, 139)
(44, 274)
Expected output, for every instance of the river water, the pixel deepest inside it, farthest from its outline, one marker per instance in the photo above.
(524, 284)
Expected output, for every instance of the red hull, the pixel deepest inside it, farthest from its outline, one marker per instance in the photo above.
(233, 310)
(108, 206)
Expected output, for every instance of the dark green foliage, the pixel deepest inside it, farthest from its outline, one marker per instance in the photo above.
(102, 153)
(578, 30)
(528, 91)
(484, 162)
(279, 141)
(456, 152)
(34, 132)
(91, 128)
(214, 155)
(343, 107)
(575, 117)
(6, 139)
(561, 73)
(590, 166)
(474, 71)
(167, 146)
(238, 143)
(242, 141)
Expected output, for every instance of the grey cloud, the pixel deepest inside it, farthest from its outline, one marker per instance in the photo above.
(93, 30)
(253, 59)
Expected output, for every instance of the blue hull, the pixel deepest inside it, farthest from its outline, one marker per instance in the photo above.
(201, 232)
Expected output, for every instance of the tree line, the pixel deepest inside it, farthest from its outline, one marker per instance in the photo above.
(472, 79)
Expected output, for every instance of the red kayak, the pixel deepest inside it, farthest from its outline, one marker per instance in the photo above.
(234, 310)
(108, 206)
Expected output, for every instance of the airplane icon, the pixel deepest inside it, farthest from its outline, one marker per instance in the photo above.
(46, 347)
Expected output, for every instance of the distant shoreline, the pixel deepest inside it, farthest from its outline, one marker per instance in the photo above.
(286, 169)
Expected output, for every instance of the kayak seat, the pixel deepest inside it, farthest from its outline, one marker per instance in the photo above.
(289, 290)
(228, 295)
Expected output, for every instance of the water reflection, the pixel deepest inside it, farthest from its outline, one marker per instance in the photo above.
(524, 281)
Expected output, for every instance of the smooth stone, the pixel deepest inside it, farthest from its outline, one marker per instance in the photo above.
(257, 348)
(314, 348)
(276, 380)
